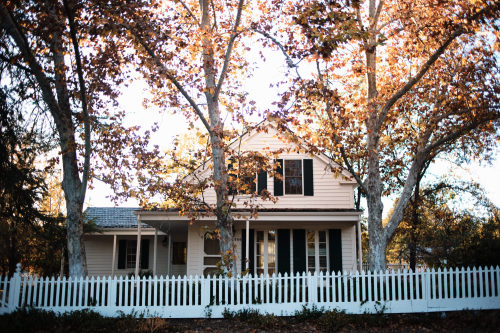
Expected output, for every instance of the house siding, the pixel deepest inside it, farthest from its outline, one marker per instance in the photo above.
(329, 193)
(99, 252)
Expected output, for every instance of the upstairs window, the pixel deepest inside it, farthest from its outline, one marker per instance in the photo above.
(293, 176)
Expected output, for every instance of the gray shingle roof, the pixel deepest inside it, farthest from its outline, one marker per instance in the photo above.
(113, 217)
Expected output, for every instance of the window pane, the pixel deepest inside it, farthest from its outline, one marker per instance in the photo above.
(210, 261)
(131, 253)
(260, 261)
(293, 177)
(179, 253)
(293, 168)
(311, 263)
(211, 245)
(260, 248)
(260, 236)
(322, 262)
(322, 236)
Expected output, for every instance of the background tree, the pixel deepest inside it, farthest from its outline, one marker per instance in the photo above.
(76, 88)
(397, 84)
(22, 184)
(439, 232)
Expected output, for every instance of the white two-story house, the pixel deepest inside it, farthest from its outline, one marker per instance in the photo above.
(313, 226)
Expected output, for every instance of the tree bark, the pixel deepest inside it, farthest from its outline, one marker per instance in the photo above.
(222, 211)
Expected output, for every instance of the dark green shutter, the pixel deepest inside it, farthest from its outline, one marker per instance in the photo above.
(278, 183)
(335, 249)
(122, 253)
(144, 263)
(299, 250)
(261, 182)
(251, 251)
(243, 248)
(308, 177)
(284, 251)
(232, 188)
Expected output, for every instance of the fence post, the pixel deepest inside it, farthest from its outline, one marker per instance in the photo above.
(205, 290)
(312, 283)
(112, 281)
(15, 288)
(428, 286)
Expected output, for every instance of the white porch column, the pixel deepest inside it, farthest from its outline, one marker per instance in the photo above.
(138, 249)
(113, 261)
(154, 251)
(247, 245)
(360, 248)
(169, 266)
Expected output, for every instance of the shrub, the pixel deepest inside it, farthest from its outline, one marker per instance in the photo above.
(307, 314)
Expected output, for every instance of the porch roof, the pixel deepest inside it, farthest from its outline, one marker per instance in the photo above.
(113, 217)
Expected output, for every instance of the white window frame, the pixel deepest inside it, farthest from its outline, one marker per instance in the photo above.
(130, 245)
(316, 250)
(266, 252)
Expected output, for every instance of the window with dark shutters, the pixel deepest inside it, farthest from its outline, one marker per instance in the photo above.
(296, 177)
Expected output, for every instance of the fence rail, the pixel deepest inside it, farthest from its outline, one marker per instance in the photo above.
(192, 297)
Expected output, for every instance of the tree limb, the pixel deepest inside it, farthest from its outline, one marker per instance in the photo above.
(289, 61)
(229, 49)
(7, 22)
(189, 11)
(422, 71)
(83, 97)
(461, 131)
(171, 78)
(373, 24)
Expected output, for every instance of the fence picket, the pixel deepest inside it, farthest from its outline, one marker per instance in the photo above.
(481, 280)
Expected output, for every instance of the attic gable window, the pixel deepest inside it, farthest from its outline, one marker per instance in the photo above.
(293, 176)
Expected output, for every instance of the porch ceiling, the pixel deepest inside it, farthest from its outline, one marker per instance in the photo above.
(167, 226)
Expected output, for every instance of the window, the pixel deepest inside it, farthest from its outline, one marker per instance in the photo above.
(265, 254)
(211, 247)
(293, 176)
(127, 254)
(131, 253)
(316, 251)
(179, 253)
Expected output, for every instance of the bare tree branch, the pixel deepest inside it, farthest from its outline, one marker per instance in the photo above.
(189, 11)
(83, 97)
(229, 49)
(165, 71)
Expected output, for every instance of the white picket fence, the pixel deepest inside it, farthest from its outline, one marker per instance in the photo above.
(195, 297)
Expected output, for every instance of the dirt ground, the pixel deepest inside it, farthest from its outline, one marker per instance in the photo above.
(465, 321)
(27, 321)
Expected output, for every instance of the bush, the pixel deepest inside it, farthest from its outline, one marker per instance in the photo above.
(307, 314)
(253, 317)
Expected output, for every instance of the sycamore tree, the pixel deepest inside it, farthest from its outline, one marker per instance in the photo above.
(57, 60)
(396, 84)
(192, 54)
